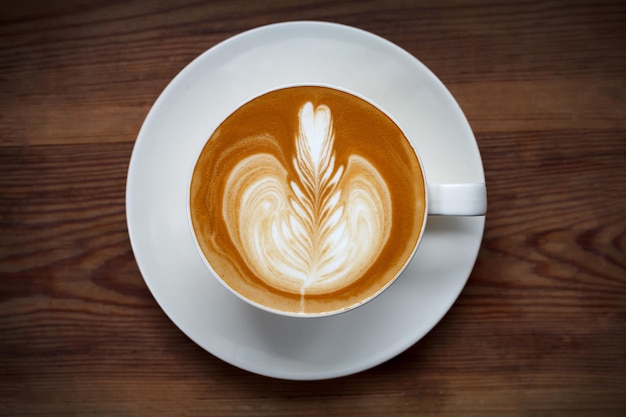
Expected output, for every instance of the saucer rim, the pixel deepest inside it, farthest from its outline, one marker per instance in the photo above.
(131, 195)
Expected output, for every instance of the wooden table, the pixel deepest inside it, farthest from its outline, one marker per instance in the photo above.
(540, 329)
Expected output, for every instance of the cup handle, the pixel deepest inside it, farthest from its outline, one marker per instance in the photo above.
(457, 199)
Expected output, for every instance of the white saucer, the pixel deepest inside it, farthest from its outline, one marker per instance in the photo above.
(183, 117)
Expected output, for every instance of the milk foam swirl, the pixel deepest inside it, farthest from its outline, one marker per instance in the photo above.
(316, 233)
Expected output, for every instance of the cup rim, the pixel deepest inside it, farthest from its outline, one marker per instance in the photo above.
(294, 314)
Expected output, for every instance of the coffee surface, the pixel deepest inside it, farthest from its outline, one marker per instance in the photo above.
(307, 200)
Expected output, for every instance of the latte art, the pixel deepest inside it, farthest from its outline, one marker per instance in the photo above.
(307, 200)
(315, 233)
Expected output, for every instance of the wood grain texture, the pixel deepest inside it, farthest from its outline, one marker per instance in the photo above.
(540, 329)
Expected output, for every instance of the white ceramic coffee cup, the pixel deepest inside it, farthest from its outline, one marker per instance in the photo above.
(442, 199)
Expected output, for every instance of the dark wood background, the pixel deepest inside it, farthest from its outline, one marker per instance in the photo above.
(540, 329)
